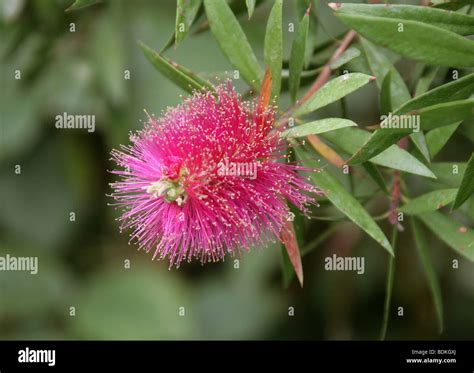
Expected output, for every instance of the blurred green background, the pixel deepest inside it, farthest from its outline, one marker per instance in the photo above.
(82, 263)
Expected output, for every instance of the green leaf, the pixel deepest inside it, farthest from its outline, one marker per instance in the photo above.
(250, 6)
(348, 55)
(394, 91)
(422, 247)
(334, 90)
(79, 4)
(430, 114)
(415, 41)
(381, 140)
(171, 40)
(467, 130)
(455, 22)
(375, 174)
(192, 75)
(446, 113)
(455, 235)
(437, 138)
(317, 126)
(429, 202)
(467, 184)
(385, 95)
(238, 7)
(290, 242)
(454, 5)
(232, 40)
(425, 81)
(419, 140)
(449, 174)
(297, 56)
(273, 49)
(380, 66)
(288, 273)
(186, 11)
(456, 90)
(350, 139)
(344, 201)
(429, 118)
(171, 71)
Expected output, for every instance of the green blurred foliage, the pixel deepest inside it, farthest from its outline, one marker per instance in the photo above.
(82, 262)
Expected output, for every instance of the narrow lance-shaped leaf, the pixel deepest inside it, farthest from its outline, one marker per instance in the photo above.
(437, 138)
(350, 139)
(455, 235)
(170, 70)
(467, 184)
(468, 130)
(288, 237)
(186, 11)
(348, 55)
(79, 4)
(433, 283)
(396, 92)
(250, 7)
(419, 140)
(297, 56)
(429, 117)
(169, 43)
(295, 223)
(428, 202)
(425, 81)
(287, 271)
(345, 202)
(301, 8)
(298, 223)
(456, 22)
(381, 66)
(453, 5)
(375, 174)
(191, 74)
(414, 39)
(232, 40)
(317, 126)
(449, 174)
(385, 95)
(273, 49)
(334, 90)
(238, 7)
(456, 90)
(172, 39)
(445, 113)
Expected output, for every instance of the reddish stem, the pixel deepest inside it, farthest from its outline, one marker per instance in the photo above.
(396, 195)
(322, 77)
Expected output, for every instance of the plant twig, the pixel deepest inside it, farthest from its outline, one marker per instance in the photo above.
(326, 71)
(396, 194)
(323, 149)
(389, 287)
(322, 77)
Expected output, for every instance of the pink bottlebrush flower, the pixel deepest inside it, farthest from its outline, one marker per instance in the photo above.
(208, 177)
